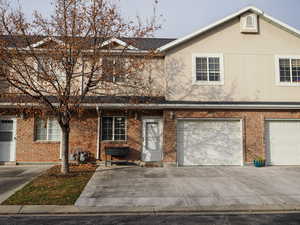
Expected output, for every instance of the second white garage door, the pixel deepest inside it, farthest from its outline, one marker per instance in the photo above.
(209, 142)
(283, 142)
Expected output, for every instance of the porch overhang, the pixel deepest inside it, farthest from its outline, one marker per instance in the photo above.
(170, 105)
(206, 105)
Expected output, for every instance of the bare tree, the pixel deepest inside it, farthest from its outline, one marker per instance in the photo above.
(57, 61)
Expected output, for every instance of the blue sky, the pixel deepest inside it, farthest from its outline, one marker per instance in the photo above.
(181, 17)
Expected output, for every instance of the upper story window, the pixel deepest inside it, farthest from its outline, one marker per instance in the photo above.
(114, 69)
(45, 67)
(4, 85)
(250, 21)
(208, 69)
(288, 70)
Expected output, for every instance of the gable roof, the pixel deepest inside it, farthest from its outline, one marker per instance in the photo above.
(119, 42)
(46, 40)
(143, 44)
(252, 9)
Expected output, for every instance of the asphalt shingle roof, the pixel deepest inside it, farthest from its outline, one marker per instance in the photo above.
(140, 43)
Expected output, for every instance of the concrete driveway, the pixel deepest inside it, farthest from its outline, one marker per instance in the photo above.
(192, 187)
(13, 178)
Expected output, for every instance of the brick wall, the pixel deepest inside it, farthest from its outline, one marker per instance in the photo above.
(253, 129)
(134, 133)
(28, 150)
(83, 135)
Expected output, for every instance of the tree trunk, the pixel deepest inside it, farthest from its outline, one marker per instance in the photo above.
(65, 150)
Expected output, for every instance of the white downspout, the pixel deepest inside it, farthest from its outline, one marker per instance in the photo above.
(98, 133)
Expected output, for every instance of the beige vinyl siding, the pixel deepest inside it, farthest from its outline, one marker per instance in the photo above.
(249, 64)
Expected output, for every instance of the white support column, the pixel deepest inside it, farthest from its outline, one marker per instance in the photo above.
(98, 133)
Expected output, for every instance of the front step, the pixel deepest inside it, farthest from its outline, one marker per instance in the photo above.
(153, 164)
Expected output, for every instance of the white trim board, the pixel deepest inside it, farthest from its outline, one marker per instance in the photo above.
(169, 106)
(120, 42)
(252, 9)
(45, 40)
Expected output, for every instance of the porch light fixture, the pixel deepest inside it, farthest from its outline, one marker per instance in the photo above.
(136, 115)
(172, 115)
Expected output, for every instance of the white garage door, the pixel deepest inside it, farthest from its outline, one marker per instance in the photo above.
(283, 142)
(209, 142)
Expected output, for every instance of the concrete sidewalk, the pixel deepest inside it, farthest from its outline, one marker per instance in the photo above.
(70, 209)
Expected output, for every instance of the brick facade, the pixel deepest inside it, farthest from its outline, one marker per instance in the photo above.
(83, 136)
(253, 128)
(84, 133)
(134, 133)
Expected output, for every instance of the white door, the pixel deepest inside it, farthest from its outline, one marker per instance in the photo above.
(7, 139)
(283, 142)
(152, 140)
(209, 142)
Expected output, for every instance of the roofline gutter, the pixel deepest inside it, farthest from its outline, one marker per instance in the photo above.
(165, 106)
(198, 106)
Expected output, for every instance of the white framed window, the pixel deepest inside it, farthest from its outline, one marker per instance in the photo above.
(45, 66)
(208, 69)
(47, 130)
(113, 69)
(114, 128)
(249, 23)
(287, 70)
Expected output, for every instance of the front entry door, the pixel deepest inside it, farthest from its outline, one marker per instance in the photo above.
(152, 140)
(7, 139)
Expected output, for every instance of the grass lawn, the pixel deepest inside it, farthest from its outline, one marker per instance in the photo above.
(53, 188)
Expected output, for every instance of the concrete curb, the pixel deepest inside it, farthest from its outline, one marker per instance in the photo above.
(70, 209)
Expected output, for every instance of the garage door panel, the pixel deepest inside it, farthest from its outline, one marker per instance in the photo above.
(283, 142)
(209, 142)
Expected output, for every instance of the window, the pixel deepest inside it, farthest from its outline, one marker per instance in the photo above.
(46, 66)
(288, 70)
(47, 130)
(4, 85)
(208, 69)
(250, 21)
(114, 69)
(114, 128)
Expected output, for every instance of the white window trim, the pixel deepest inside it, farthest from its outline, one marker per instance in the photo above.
(60, 76)
(47, 140)
(114, 71)
(245, 28)
(277, 71)
(113, 129)
(252, 25)
(208, 83)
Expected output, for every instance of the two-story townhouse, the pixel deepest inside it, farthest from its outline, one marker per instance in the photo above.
(231, 94)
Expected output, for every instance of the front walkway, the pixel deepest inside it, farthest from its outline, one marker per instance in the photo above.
(193, 187)
(12, 178)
